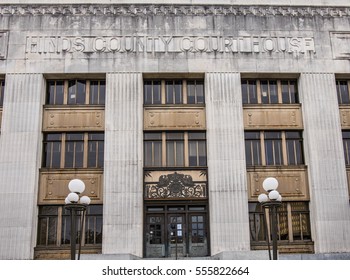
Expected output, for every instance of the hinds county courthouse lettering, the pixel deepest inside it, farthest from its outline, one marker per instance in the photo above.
(173, 114)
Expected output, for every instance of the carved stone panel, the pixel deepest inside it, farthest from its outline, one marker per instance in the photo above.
(293, 184)
(73, 119)
(54, 185)
(272, 117)
(340, 45)
(175, 185)
(345, 117)
(174, 118)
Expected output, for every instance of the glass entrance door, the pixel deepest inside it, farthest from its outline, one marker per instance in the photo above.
(176, 232)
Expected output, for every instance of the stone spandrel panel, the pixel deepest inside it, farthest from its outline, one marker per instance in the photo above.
(3, 44)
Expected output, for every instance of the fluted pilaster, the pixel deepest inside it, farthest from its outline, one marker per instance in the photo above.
(228, 199)
(122, 209)
(329, 204)
(20, 142)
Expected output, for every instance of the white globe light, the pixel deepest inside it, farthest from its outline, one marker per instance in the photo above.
(73, 197)
(85, 200)
(76, 186)
(273, 195)
(66, 201)
(270, 184)
(262, 198)
(279, 198)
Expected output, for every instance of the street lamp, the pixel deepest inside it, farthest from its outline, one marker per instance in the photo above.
(271, 200)
(76, 204)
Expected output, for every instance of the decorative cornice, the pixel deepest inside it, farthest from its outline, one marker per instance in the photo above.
(173, 10)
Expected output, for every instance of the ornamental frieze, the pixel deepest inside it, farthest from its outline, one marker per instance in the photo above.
(175, 186)
(175, 10)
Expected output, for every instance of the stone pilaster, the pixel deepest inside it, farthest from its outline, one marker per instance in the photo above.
(20, 142)
(329, 198)
(228, 198)
(122, 202)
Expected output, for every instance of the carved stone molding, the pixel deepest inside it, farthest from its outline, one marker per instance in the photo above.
(86, 119)
(277, 117)
(344, 116)
(174, 118)
(175, 10)
(53, 187)
(292, 182)
(176, 186)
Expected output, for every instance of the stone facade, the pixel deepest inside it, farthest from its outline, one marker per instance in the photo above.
(221, 40)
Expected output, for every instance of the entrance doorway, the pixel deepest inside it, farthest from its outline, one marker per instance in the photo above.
(176, 231)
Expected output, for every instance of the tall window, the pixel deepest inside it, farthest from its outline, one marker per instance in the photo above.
(279, 148)
(175, 149)
(293, 222)
(153, 149)
(343, 91)
(273, 148)
(197, 149)
(186, 91)
(73, 150)
(54, 226)
(268, 91)
(76, 92)
(173, 91)
(346, 145)
(2, 92)
(253, 148)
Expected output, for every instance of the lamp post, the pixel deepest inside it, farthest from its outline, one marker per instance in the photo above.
(271, 200)
(75, 204)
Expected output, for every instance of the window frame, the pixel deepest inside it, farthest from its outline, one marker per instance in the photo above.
(62, 218)
(87, 92)
(2, 92)
(256, 210)
(165, 140)
(262, 146)
(63, 152)
(256, 85)
(184, 91)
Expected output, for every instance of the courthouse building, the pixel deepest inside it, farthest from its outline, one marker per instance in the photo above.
(173, 113)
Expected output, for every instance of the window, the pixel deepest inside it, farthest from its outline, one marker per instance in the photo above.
(153, 149)
(197, 149)
(273, 148)
(293, 220)
(172, 92)
(269, 91)
(279, 148)
(76, 92)
(343, 92)
(54, 226)
(253, 148)
(346, 145)
(73, 150)
(2, 92)
(175, 149)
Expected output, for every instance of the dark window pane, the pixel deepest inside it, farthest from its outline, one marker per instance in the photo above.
(264, 85)
(95, 150)
(74, 150)
(97, 92)
(55, 92)
(2, 92)
(76, 92)
(289, 92)
(273, 92)
(273, 148)
(343, 92)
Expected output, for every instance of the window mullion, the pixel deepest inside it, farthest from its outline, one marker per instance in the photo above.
(184, 91)
(284, 149)
(186, 149)
(63, 150)
(87, 92)
(258, 89)
(164, 149)
(65, 92)
(290, 222)
(85, 151)
(163, 92)
(59, 225)
(262, 144)
(279, 92)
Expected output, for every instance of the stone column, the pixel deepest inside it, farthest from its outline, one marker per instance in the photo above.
(20, 154)
(324, 155)
(228, 195)
(123, 183)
